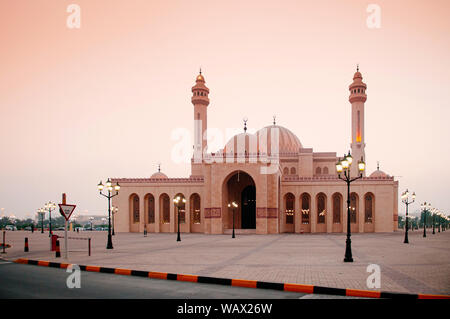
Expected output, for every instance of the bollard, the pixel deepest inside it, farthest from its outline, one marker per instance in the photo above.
(89, 246)
(58, 252)
(26, 245)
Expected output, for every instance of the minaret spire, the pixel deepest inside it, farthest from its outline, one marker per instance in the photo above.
(245, 124)
(200, 100)
(357, 99)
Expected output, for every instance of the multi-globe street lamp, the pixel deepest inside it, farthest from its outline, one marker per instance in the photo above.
(41, 213)
(406, 201)
(433, 212)
(50, 206)
(110, 188)
(178, 202)
(233, 206)
(425, 209)
(344, 165)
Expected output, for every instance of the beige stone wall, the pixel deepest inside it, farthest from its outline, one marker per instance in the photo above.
(270, 202)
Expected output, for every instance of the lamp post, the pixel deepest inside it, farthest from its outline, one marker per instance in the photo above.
(406, 201)
(113, 212)
(50, 206)
(345, 165)
(41, 213)
(433, 212)
(234, 206)
(178, 202)
(110, 188)
(425, 208)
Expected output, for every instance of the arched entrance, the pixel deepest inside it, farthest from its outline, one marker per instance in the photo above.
(240, 188)
(248, 207)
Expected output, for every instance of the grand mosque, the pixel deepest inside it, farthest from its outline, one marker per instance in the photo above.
(277, 184)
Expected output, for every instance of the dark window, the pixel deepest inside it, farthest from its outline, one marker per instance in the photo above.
(321, 208)
(337, 208)
(305, 208)
(290, 201)
(368, 208)
(353, 208)
(151, 209)
(135, 209)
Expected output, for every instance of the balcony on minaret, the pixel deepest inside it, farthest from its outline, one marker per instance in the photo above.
(200, 92)
(357, 89)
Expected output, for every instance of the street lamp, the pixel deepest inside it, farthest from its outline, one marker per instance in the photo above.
(41, 213)
(344, 165)
(110, 188)
(425, 208)
(234, 206)
(50, 206)
(178, 202)
(405, 200)
(433, 212)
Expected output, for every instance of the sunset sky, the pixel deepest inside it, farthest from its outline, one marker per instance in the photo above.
(80, 105)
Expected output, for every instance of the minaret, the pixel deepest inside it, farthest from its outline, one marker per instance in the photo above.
(357, 98)
(201, 101)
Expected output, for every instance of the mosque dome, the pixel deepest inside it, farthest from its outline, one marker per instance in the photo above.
(378, 173)
(159, 175)
(288, 142)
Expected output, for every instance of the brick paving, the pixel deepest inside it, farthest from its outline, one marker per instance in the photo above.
(422, 266)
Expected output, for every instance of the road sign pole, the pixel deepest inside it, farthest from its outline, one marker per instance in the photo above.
(65, 240)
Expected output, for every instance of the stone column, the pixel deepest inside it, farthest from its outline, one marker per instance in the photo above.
(313, 213)
(187, 226)
(361, 212)
(297, 214)
(141, 212)
(157, 216)
(329, 214)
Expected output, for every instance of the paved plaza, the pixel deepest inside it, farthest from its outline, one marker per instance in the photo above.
(422, 266)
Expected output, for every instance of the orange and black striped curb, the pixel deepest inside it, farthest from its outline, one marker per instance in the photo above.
(309, 289)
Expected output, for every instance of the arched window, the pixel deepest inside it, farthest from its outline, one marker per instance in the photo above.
(293, 171)
(353, 207)
(321, 208)
(337, 206)
(151, 209)
(318, 171)
(306, 203)
(290, 202)
(195, 209)
(164, 206)
(286, 171)
(135, 208)
(325, 170)
(181, 208)
(368, 208)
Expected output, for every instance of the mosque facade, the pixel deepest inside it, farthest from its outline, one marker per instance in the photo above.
(277, 184)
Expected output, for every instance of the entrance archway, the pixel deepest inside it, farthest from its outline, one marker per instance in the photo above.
(248, 207)
(240, 188)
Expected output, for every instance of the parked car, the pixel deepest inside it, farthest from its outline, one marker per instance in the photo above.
(10, 227)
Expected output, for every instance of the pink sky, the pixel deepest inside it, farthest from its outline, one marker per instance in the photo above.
(79, 105)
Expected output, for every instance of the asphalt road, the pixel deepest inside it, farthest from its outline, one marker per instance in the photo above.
(27, 281)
